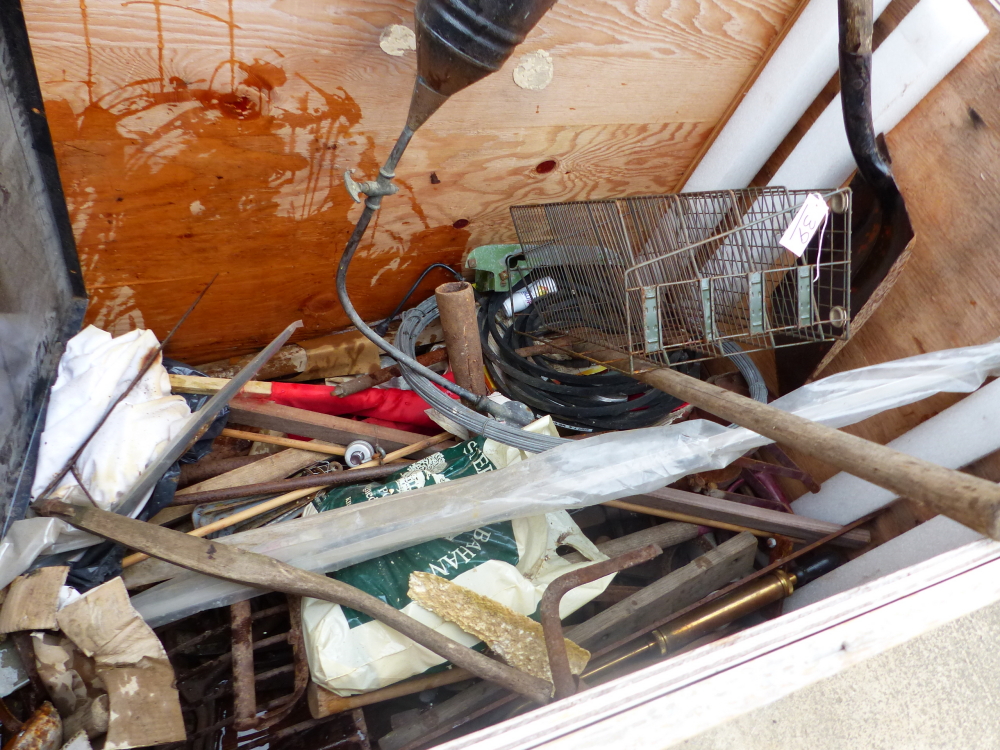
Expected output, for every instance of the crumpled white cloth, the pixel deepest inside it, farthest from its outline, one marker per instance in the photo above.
(93, 371)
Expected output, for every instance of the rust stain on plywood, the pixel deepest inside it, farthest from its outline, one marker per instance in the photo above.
(211, 138)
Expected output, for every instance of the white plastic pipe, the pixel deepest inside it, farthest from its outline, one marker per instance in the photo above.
(794, 76)
(933, 38)
(956, 437)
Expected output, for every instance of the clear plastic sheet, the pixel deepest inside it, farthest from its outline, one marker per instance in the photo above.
(575, 475)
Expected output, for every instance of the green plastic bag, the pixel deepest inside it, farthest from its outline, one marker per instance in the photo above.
(510, 562)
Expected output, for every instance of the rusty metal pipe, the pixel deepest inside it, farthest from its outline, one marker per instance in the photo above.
(244, 687)
(457, 306)
(555, 644)
(199, 472)
(281, 486)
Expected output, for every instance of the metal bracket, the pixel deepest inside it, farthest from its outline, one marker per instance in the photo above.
(651, 317)
(803, 281)
(371, 188)
(756, 283)
(708, 318)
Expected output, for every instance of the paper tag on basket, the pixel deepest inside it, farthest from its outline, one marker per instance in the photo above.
(804, 225)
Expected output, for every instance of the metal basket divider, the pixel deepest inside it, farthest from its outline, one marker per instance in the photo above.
(569, 222)
(789, 304)
(735, 227)
(651, 276)
(667, 258)
(713, 211)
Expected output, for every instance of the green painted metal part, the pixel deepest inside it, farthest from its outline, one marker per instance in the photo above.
(496, 266)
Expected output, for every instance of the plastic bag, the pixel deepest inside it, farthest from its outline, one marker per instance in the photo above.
(585, 472)
(510, 562)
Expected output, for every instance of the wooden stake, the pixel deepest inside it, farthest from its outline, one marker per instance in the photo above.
(316, 446)
(971, 501)
(684, 517)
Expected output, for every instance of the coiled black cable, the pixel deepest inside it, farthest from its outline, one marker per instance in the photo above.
(603, 401)
(382, 327)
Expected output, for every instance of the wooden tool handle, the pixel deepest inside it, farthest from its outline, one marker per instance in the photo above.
(971, 501)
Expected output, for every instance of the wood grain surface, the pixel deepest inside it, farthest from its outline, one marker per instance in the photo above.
(207, 137)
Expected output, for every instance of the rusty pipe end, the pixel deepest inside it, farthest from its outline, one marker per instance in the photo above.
(453, 287)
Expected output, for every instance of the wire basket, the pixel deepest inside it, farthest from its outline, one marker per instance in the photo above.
(699, 272)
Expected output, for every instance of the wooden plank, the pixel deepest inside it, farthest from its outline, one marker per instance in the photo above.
(728, 511)
(210, 386)
(197, 140)
(270, 416)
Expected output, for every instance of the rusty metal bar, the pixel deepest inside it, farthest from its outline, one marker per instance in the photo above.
(555, 644)
(10, 722)
(281, 486)
(244, 688)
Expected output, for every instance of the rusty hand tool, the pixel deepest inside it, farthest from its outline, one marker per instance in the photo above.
(363, 382)
(555, 644)
(262, 572)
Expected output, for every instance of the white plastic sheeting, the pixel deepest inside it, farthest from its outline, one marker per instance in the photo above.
(94, 370)
(583, 473)
(794, 76)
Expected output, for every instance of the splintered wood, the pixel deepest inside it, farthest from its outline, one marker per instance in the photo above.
(516, 639)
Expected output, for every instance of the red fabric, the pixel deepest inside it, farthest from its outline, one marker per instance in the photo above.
(388, 407)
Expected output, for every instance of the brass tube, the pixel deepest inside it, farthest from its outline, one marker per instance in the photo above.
(700, 622)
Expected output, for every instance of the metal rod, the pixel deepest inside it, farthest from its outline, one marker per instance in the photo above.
(280, 486)
(705, 619)
(196, 424)
(548, 609)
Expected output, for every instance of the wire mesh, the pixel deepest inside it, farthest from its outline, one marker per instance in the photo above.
(648, 276)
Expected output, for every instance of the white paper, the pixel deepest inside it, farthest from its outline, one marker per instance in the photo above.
(808, 219)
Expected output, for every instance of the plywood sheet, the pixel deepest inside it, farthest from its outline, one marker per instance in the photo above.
(205, 137)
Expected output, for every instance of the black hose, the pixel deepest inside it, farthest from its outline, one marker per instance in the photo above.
(382, 327)
(602, 401)
(372, 203)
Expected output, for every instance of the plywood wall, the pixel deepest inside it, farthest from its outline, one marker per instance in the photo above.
(205, 137)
